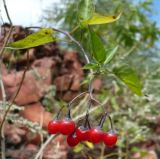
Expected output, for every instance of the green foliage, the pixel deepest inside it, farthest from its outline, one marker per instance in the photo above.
(97, 47)
(41, 37)
(100, 19)
(93, 66)
(132, 35)
(129, 77)
(85, 9)
(110, 54)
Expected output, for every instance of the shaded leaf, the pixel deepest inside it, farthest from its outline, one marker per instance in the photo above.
(78, 148)
(129, 77)
(41, 37)
(110, 53)
(97, 47)
(92, 66)
(85, 9)
(89, 145)
(100, 19)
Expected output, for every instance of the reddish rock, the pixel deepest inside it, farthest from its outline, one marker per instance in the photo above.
(50, 49)
(45, 68)
(12, 79)
(31, 53)
(58, 144)
(76, 83)
(4, 70)
(45, 62)
(33, 138)
(25, 152)
(36, 113)
(31, 147)
(149, 155)
(71, 61)
(63, 83)
(35, 84)
(69, 95)
(14, 134)
(18, 33)
(29, 92)
(97, 84)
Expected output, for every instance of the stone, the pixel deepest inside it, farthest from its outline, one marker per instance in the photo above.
(69, 95)
(63, 82)
(29, 92)
(36, 113)
(149, 155)
(97, 84)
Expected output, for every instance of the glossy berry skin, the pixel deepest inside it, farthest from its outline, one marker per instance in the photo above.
(67, 126)
(54, 126)
(82, 133)
(110, 139)
(72, 140)
(95, 135)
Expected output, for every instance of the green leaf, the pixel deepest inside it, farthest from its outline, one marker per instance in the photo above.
(97, 47)
(89, 144)
(129, 77)
(92, 66)
(78, 148)
(41, 37)
(85, 9)
(110, 54)
(100, 19)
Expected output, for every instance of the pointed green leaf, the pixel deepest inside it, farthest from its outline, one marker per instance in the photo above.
(97, 47)
(89, 144)
(78, 148)
(129, 77)
(89, 66)
(100, 19)
(110, 54)
(41, 37)
(85, 9)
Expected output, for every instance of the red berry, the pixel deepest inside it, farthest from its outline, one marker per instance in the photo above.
(110, 139)
(67, 126)
(95, 135)
(82, 133)
(54, 126)
(72, 140)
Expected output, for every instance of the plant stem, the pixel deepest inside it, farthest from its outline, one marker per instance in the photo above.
(18, 90)
(72, 101)
(1, 81)
(50, 138)
(7, 13)
(102, 151)
(3, 106)
(74, 29)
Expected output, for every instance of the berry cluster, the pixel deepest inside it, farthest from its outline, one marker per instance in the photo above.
(82, 133)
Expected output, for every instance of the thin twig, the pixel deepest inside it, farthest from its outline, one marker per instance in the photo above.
(41, 133)
(114, 154)
(17, 92)
(53, 136)
(90, 88)
(44, 145)
(102, 151)
(69, 36)
(3, 105)
(74, 29)
(79, 95)
(7, 13)
(1, 80)
(10, 31)
(6, 41)
(127, 147)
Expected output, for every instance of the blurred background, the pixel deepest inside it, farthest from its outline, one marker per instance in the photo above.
(55, 77)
